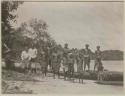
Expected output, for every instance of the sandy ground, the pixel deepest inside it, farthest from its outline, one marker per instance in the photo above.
(48, 85)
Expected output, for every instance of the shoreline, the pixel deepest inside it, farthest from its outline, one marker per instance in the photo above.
(48, 85)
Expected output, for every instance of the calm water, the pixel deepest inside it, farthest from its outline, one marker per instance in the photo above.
(109, 65)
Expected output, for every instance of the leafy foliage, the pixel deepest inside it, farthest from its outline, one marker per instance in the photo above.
(32, 32)
(8, 16)
(36, 30)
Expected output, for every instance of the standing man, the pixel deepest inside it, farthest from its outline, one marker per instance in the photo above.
(98, 57)
(55, 62)
(87, 53)
(43, 63)
(25, 59)
(71, 66)
(33, 55)
(65, 55)
(65, 60)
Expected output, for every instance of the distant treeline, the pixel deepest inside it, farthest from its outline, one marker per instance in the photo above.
(111, 55)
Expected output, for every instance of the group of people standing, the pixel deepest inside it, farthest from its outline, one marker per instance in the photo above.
(28, 56)
(82, 58)
(57, 57)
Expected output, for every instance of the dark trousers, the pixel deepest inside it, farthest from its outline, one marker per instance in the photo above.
(97, 63)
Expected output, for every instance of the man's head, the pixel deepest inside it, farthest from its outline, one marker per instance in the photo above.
(66, 45)
(59, 46)
(98, 47)
(87, 46)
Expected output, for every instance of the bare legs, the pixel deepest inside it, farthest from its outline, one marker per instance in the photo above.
(88, 65)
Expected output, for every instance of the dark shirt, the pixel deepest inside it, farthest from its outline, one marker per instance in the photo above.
(87, 53)
(65, 52)
(98, 54)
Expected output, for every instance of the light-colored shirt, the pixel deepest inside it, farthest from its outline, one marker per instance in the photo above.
(32, 53)
(24, 55)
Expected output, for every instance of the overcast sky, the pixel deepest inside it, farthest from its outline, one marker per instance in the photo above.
(97, 23)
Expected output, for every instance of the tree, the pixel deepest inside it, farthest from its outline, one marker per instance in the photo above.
(8, 16)
(37, 31)
(31, 32)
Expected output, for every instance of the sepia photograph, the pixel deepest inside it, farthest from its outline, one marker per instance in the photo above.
(59, 47)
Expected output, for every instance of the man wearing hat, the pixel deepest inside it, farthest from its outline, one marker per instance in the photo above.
(66, 50)
(98, 57)
(87, 53)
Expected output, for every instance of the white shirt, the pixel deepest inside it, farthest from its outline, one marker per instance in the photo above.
(24, 55)
(32, 53)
